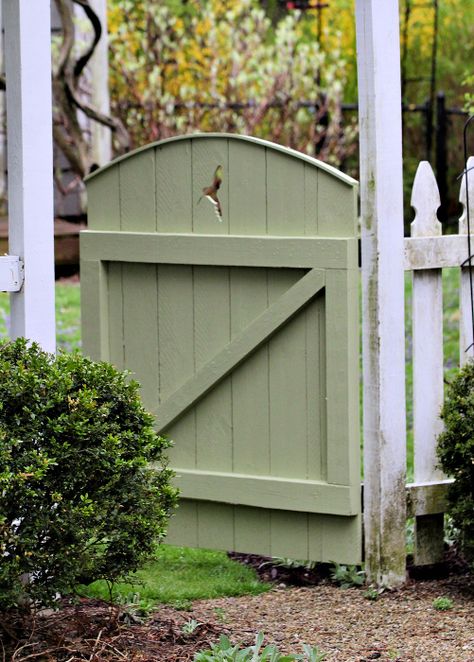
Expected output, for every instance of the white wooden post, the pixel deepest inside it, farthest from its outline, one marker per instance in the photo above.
(428, 389)
(466, 339)
(101, 136)
(3, 152)
(378, 54)
(30, 166)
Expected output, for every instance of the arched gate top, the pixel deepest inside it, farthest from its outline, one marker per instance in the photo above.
(265, 189)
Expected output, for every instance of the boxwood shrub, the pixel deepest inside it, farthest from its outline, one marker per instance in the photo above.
(79, 500)
(456, 454)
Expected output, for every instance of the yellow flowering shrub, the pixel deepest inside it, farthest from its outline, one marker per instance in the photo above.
(222, 66)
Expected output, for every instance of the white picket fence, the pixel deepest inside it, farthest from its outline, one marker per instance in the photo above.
(427, 252)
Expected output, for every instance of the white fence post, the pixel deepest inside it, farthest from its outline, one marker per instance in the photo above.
(378, 52)
(427, 364)
(30, 166)
(465, 331)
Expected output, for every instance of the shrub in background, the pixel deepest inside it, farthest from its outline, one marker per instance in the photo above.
(456, 454)
(78, 498)
(178, 67)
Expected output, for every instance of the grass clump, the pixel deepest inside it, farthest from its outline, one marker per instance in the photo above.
(443, 604)
(179, 575)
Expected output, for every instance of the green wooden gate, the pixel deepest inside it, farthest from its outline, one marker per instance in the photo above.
(243, 333)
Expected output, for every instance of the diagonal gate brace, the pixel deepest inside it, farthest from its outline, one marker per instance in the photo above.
(238, 349)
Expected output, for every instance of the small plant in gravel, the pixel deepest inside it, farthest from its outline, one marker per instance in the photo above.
(224, 651)
(79, 500)
(456, 454)
(220, 614)
(289, 564)
(372, 594)
(347, 576)
(134, 608)
(443, 604)
(190, 626)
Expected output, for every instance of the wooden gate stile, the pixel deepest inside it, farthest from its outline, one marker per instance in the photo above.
(243, 334)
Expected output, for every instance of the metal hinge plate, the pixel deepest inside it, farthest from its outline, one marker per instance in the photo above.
(11, 273)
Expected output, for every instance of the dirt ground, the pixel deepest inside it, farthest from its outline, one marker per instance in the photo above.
(400, 625)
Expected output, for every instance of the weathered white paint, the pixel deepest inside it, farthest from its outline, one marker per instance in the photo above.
(428, 387)
(378, 53)
(101, 136)
(427, 498)
(465, 331)
(449, 250)
(30, 166)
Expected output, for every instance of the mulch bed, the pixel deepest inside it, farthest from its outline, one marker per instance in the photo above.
(303, 607)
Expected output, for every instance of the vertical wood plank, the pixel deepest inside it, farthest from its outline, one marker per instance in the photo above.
(428, 387)
(183, 525)
(378, 58)
(342, 356)
(466, 349)
(247, 193)
(176, 334)
(289, 534)
(252, 529)
(215, 525)
(211, 334)
(176, 327)
(316, 424)
(141, 329)
(103, 200)
(114, 311)
(310, 200)
(174, 201)
(94, 313)
(337, 207)
(287, 386)
(285, 195)
(250, 400)
(341, 539)
(137, 193)
(139, 281)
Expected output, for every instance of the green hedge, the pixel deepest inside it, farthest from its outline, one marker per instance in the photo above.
(78, 499)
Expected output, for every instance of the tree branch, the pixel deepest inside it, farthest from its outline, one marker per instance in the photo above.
(97, 27)
(67, 131)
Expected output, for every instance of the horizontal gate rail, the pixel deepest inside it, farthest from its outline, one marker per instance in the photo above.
(219, 250)
(269, 492)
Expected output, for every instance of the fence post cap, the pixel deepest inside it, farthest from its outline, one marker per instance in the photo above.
(425, 200)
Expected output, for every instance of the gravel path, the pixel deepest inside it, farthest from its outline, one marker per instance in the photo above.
(401, 625)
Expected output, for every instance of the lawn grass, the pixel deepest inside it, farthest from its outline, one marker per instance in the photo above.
(179, 575)
(68, 315)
